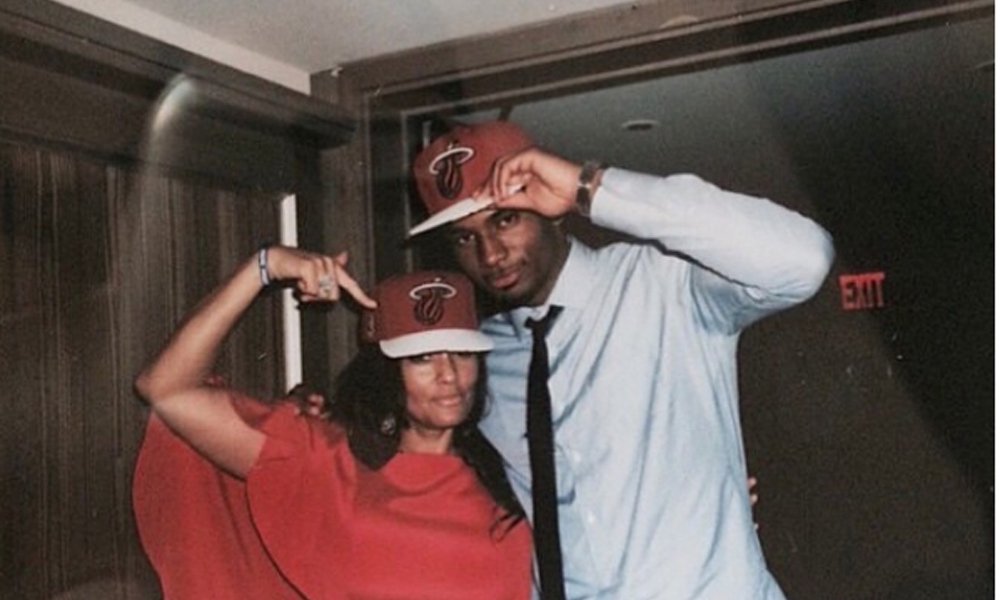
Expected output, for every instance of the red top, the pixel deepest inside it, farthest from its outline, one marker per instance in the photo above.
(311, 522)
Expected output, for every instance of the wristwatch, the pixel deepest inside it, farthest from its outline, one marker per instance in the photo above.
(585, 185)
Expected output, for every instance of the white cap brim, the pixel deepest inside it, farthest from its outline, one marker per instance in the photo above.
(439, 340)
(456, 211)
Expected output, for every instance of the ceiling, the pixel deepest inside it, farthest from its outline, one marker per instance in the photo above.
(312, 35)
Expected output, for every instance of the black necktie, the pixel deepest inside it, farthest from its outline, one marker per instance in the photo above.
(541, 451)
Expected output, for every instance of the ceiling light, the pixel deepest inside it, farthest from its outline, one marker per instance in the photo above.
(640, 125)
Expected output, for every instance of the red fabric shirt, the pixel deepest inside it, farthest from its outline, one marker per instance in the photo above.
(311, 522)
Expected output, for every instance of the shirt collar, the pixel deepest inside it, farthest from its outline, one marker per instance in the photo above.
(572, 288)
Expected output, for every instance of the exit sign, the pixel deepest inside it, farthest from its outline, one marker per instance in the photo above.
(862, 291)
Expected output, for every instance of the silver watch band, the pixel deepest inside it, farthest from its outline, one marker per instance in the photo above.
(585, 186)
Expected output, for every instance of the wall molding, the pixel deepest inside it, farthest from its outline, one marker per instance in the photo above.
(72, 80)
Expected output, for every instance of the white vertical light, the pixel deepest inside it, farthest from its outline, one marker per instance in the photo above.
(291, 324)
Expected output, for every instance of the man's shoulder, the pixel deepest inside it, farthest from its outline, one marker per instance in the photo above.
(625, 260)
(610, 254)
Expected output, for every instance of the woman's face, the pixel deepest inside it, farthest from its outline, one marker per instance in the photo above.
(440, 389)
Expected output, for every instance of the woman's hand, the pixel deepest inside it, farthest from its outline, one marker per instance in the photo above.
(174, 382)
(317, 277)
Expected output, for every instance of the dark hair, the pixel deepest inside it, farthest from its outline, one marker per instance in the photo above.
(369, 401)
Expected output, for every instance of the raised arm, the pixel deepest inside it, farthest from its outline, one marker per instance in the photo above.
(174, 382)
(779, 255)
(760, 256)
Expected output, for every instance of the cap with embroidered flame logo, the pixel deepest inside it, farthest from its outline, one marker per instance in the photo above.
(454, 165)
(423, 313)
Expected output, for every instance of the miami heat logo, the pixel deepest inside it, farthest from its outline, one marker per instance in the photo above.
(446, 169)
(430, 298)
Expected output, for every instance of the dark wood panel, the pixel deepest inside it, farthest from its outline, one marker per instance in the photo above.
(99, 265)
(23, 548)
(67, 112)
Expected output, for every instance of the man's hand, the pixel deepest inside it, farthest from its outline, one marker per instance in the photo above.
(533, 180)
(751, 484)
(307, 402)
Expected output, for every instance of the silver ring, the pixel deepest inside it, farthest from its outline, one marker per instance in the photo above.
(325, 285)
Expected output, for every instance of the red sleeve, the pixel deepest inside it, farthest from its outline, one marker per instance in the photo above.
(195, 525)
(301, 495)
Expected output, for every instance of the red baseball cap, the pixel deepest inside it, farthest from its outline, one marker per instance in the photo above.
(455, 164)
(422, 313)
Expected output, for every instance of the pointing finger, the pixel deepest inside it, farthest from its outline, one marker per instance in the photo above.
(351, 287)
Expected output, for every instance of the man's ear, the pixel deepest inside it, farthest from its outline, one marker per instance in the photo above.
(562, 226)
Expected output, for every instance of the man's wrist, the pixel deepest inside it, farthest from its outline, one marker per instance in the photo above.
(586, 186)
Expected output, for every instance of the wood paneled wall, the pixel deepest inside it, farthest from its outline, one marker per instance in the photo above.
(97, 265)
(100, 257)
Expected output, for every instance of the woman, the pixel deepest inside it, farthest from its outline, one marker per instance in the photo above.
(398, 497)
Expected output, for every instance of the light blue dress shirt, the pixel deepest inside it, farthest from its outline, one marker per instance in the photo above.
(652, 480)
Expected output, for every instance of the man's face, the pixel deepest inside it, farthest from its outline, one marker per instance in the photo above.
(513, 255)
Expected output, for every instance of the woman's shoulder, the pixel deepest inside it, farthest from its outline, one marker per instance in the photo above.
(286, 420)
(287, 425)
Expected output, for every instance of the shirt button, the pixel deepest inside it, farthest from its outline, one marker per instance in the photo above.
(591, 519)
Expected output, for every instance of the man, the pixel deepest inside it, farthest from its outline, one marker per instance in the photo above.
(650, 471)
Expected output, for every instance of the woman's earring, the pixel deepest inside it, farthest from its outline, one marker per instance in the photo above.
(388, 425)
